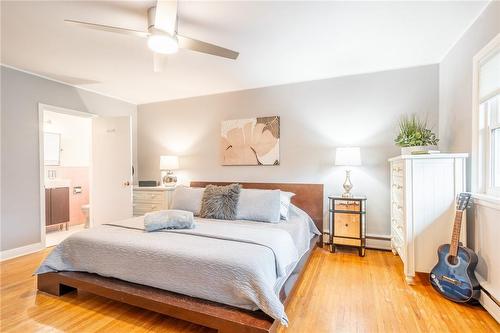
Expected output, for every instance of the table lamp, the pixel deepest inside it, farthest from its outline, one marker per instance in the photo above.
(347, 156)
(167, 164)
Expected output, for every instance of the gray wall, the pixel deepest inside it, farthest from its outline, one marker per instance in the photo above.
(316, 117)
(455, 94)
(20, 171)
(455, 81)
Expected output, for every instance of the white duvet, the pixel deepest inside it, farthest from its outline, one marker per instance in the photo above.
(239, 263)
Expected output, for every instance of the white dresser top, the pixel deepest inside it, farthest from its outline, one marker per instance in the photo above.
(429, 156)
(154, 188)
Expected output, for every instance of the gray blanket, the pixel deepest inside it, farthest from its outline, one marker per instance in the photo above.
(242, 264)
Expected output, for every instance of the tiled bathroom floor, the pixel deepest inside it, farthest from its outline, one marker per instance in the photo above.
(55, 237)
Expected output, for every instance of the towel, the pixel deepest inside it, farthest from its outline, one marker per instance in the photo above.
(168, 219)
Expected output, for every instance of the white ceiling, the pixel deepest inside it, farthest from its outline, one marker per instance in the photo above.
(279, 42)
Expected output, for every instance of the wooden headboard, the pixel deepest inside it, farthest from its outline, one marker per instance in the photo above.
(308, 197)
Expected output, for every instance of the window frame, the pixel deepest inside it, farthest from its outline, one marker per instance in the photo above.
(492, 123)
(495, 161)
(482, 128)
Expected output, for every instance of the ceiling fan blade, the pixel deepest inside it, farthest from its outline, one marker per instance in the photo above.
(159, 62)
(109, 28)
(166, 16)
(199, 46)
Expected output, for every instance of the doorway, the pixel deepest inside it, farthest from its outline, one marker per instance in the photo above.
(85, 171)
(65, 172)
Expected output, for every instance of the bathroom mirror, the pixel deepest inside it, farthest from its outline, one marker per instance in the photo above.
(52, 148)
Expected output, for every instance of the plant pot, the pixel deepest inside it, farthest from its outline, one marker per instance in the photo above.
(417, 150)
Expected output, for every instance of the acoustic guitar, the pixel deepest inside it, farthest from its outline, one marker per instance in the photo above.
(453, 276)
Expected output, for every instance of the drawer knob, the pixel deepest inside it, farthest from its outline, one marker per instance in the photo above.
(346, 225)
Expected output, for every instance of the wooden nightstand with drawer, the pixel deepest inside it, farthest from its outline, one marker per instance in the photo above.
(347, 222)
(150, 199)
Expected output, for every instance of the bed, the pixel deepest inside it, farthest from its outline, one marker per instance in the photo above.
(240, 252)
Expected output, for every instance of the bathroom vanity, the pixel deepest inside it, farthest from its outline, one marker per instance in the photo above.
(57, 205)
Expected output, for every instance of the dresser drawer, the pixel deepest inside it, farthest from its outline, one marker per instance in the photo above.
(397, 168)
(397, 183)
(148, 197)
(347, 225)
(398, 210)
(347, 206)
(399, 246)
(398, 221)
(143, 208)
(398, 229)
(346, 241)
(397, 195)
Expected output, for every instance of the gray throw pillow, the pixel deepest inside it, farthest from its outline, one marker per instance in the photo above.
(259, 205)
(220, 202)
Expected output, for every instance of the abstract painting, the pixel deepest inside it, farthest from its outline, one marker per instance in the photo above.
(254, 141)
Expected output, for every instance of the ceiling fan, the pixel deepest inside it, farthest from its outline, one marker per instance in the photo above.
(162, 36)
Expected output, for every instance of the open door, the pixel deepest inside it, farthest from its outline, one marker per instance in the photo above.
(111, 198)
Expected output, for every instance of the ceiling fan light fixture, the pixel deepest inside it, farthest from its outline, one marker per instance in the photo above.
(163, 43)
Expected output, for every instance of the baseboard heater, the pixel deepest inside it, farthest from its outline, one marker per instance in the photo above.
(376, 242)
(490, 303)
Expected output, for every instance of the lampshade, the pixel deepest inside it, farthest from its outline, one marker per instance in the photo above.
(169, 162)
(349, 156)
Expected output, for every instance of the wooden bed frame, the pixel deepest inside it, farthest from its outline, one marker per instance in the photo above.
(224, 318)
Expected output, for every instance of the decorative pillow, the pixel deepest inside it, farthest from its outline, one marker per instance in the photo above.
(168, 219)
(285, 198)
(187, 198)
(220, 202)
(259, 205)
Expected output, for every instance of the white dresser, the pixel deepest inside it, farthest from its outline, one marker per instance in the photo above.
(150, 199)
(423, 193)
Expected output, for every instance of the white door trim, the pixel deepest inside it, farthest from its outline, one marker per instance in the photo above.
(478, 169)
(58, 109)
(41, 118)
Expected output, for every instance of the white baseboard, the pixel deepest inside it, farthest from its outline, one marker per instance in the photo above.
(490, 305)
(379, 242)
(21, 251)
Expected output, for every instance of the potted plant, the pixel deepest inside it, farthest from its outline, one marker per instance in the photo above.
(414, 137)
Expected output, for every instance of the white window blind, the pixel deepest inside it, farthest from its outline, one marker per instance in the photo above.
(489, 77)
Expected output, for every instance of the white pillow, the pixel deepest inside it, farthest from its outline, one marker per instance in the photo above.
(285, 198)
(259, 205)
(187, 198)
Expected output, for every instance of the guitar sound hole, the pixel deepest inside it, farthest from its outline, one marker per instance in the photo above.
(452, 260)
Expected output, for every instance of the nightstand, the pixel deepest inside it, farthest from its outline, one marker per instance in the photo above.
(347, 222)
(150, 199)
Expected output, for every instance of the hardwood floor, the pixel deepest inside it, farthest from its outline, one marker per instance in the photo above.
(339, 293)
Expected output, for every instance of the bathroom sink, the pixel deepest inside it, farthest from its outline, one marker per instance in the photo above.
(57, 182)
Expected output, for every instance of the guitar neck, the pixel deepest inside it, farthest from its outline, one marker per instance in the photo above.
(455, 236)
